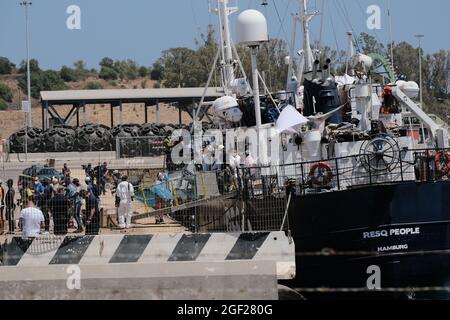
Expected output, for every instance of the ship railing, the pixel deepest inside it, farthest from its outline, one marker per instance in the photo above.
(343, 173)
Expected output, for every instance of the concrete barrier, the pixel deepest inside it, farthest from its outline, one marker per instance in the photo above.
(165, 249)
(231, 280)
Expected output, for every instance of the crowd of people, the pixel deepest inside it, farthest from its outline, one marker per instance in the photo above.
(59, 200)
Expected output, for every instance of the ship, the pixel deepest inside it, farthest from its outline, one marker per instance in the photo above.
(362, 192)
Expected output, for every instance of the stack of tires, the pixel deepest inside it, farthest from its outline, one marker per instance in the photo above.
(33, 136)
(59, 138)
(127, 138)
(94, 137)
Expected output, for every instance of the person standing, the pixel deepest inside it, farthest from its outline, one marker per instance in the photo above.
(125, 192)
(54, 186)
(31, 220)
(38, 192)
(235, 164)
(92, 213)
(249, 161)
(74, 194)
(2, 206)
(66, 173)
(10, 205)
(59, 205)
(44, 200)
(102, 177)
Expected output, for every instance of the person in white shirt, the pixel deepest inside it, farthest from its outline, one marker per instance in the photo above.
(249, 161)
(31, 220)
(235, 163)
(125, 192)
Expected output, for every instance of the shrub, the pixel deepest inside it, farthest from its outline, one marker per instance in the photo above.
(68, 74)
(143, 72)
(34, 66)
(5, 93)
(48, 80)
(93, 86)
(3, 105)
(108, 73)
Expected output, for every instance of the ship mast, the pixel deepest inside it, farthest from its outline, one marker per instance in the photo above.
(226, 46)
(306, 55)
(306, 18)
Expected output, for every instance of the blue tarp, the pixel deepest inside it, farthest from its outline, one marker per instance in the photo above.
(162, 191)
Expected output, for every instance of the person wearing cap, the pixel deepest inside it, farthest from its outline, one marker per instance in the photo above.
(2, 206)
(125, 192)
(74, 195)
(389, 105)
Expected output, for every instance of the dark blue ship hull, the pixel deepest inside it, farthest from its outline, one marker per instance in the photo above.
(403, 228)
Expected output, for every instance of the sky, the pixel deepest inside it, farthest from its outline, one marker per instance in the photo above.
(141, 29)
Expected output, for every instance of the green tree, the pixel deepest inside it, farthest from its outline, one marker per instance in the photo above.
(271, 58)
(5, 93)
(42, 81)
(439, 74)
(108, 73)
(181, 68)
(157, 71)
(34, 66)
(68, 74)
(369, 44)
(206, 52)
(143, 72)
(81, 73)
(127, 69)
(107, 62)
(6, 66)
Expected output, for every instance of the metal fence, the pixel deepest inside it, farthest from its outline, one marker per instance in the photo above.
(247, 199)
(215, 201)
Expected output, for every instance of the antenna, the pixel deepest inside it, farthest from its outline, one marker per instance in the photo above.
(350, 53)
(390, 32)
(225, 45)
(305, 18)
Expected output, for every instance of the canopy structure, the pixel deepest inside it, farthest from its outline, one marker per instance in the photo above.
(185, 99)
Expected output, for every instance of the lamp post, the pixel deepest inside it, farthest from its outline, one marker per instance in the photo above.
(26, 4)
(419, 37)
(28, 119)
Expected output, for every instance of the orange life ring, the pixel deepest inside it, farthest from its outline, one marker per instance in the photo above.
(439, 160)
(324, 176)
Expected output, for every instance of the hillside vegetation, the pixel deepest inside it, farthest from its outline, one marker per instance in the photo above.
(185, 67)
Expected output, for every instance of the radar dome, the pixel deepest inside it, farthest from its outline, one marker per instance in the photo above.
(252, 27)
